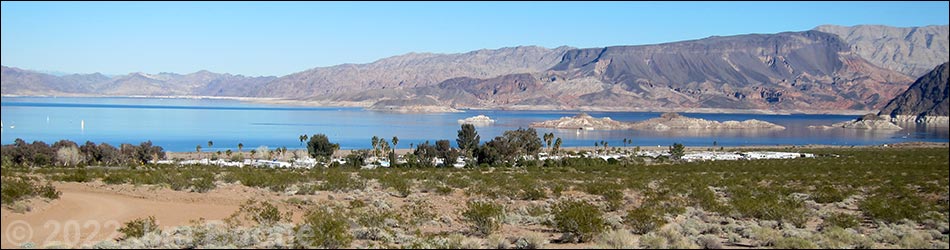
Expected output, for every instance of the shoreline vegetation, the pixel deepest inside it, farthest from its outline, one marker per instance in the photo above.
(310, 103)
(510, 194)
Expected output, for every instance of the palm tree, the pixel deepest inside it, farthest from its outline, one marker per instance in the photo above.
(548, 139)
(375, 142)
(557, 145)
(302, 138)
(253, 152)
(240, 147)
(198, 150)
(228, 153)
(395, 142)
(210, 144)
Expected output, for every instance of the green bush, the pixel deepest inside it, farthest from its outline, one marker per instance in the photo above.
(794, 243)
(643, 220)
(829, 194)
(841, 220)
(261, 212)
(13, 189)
(139, 227)
(484, 217)
(324, 228)
(48, 191)
(581, 220)
(893, 204)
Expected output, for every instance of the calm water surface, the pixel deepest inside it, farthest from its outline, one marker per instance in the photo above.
(181, 124)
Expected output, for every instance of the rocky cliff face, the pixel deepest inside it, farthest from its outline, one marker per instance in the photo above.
(913, 51)
(925, 100)
(792, 71)
(868, 122)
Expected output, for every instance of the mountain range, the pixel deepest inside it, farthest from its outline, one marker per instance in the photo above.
(827, 69)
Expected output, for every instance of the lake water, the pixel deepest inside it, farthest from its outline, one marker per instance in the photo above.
(182, 124)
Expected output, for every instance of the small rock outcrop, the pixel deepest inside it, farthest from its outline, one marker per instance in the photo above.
(479, 120)
(677, 121)
(868, 121)
(582, 121)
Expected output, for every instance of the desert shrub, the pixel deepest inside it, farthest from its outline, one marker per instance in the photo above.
(838, 238)
(829, 194)
(768, 204)
(709, 242)
(485, 217)
(324, 228)
(531, 241)
(116, 179)
(13, 189)
(340, 181)
(643, 220)
(48, 191)
(533, 193)
(794, 243)
(841, 220)
(653, 241)
(581, 220)
(765, 236)
(893, 204)
(401, 185)
(617, 239)
(79, 175)
(375, 217)
(260, 212)
(139, 227)
(614, 199)
(419, 211)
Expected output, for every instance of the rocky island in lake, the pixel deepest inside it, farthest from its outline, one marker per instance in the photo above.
(582, 121)
(676, 121)
(479, 120)
(868, 121)
(417, 105)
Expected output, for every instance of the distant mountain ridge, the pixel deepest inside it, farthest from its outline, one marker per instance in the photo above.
(830, 68)
(913, 51)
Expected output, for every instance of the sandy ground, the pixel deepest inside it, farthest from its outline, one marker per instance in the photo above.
(88, 213)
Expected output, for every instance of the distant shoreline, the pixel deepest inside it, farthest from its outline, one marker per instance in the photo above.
(306, 103)
(190, 155)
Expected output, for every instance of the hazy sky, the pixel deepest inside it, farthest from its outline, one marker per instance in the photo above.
(278, 38)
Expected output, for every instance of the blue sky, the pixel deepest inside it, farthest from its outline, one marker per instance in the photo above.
(278, 38)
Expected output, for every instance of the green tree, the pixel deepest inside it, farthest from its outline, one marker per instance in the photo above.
(302, 138)
(240, 147)
(320, 146)
(468, 140)
(445, 151)
(375, 142)
(210, 144)
(677, 151)
(557, 145)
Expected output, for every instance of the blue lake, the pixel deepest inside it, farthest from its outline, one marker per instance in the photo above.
(181, 124)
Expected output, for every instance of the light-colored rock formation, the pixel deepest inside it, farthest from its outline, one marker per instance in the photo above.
(582, 121)
(479, 120)
(868, 121)
(415, 105)
(677, 121)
